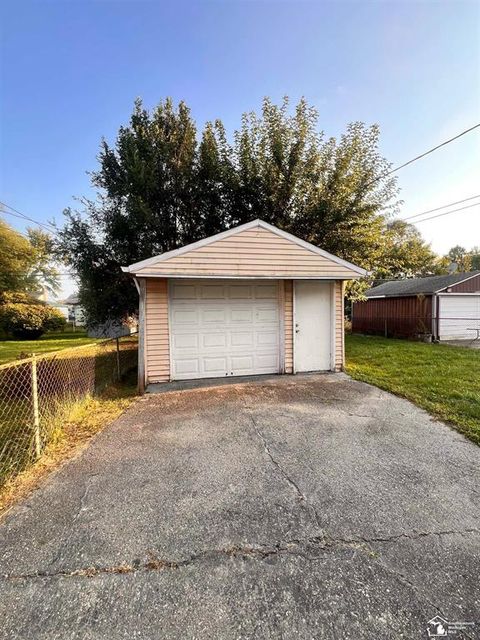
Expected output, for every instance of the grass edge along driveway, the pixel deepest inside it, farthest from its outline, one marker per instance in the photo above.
(442, 379)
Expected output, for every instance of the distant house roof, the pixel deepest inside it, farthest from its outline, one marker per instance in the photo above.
(416, 286)
(72, 299)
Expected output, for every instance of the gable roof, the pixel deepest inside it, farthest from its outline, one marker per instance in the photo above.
(415, 286)
(155, 264)
(73, 298)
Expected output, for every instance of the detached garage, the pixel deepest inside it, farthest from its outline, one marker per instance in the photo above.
(443, 307)
(251, 300)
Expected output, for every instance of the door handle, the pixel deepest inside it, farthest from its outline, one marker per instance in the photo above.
(297, 329)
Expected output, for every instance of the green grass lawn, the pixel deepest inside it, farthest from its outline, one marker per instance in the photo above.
(11, 350)
(442, 379)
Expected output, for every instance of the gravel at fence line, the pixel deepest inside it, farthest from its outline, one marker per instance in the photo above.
(37, 394)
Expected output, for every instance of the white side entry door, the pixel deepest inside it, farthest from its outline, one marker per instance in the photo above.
(313, 325)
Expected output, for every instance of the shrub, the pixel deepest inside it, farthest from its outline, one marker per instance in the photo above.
(26, 318)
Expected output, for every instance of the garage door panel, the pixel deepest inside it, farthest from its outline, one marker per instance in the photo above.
(242, 363)
(184, 316)
(183, 292)
(241, 314)
(187, 367)
(185, 341)
(214, 341)
(458, 315)
(263, 291)
(267, 314)
(266, 361)
(242, 339)
(267, 338)
(212, 292)
(209, 315)
(239, 292)
(217, 365)
(227, 329)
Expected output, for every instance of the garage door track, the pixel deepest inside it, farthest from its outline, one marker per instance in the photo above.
(291, 507)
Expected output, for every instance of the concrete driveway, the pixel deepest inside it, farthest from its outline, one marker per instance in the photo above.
(291, 507)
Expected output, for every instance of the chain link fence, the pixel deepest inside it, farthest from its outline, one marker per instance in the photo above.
(38, 394)
(419, 327)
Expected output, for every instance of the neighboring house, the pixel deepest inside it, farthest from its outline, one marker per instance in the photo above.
(76, 314)
(445, 307)
(60, 307)
(111, 329)
(114, 328)
(251, 300)
(42, 296)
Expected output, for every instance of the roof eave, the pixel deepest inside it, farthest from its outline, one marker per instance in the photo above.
(402, 295)
(235, 276)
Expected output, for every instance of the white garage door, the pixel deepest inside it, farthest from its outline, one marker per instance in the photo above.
(458, 315)
(223, 328)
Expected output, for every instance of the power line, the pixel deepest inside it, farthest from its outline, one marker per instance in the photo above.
(422, 155)
(447, 213)
(19, 214)
(10, 213)
(442, 207)
(39, 273)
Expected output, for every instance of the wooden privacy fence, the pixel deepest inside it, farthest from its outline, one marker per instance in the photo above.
(37, 395)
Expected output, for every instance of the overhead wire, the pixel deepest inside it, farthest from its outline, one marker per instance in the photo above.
(445, 206)
(447, 213)
(422, 155)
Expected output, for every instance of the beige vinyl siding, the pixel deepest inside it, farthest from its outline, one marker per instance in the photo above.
(254, 252)
(157, 356)
(339, 326)
(288, 326)
(157, 346)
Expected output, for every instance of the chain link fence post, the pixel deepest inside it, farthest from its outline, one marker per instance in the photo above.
(119, 372)
(39, 393)
(36, 414)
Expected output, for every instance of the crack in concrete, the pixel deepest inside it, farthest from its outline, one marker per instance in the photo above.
(415, 535)
(275, 462)
(79, 510)
(294, 546)
(301, 496)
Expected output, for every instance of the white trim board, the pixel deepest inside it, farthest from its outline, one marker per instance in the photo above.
(133, 268)
(333, 326)
(459, 293)
(213, 276)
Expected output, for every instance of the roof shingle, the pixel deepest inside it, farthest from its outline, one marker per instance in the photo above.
(416, 286)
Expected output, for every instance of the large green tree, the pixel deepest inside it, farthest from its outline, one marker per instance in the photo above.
(460, 257)
(26, 262)
(162, 185)
(475, 258)
(406, 255)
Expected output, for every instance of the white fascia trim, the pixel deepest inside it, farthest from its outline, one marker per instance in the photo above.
(195, 276)
(333, 326)
(453, 293)
(230, 232)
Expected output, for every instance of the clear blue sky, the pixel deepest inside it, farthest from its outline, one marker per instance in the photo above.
(71, 70)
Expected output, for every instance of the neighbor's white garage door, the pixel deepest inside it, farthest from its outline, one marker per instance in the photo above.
(458, 315)
(223, 328)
